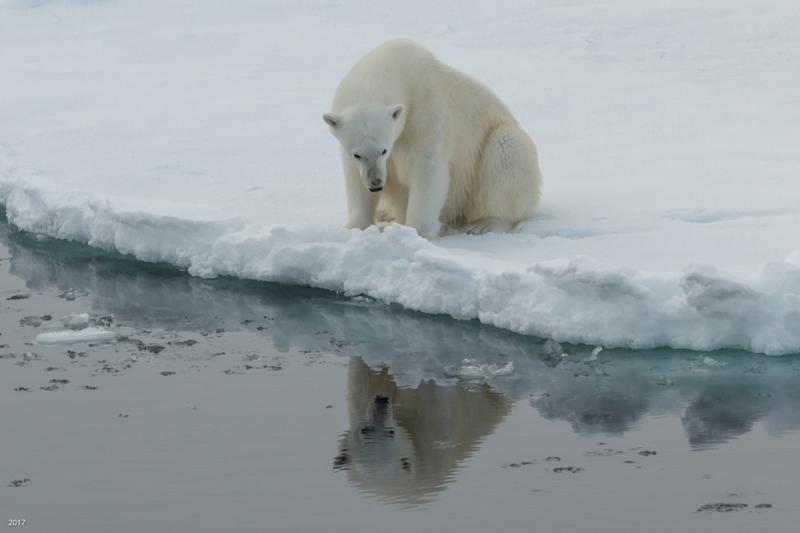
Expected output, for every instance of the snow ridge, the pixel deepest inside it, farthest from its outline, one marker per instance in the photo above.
(578, 301)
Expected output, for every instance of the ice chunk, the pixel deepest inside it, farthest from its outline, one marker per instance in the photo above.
(75, 320)
(595, 353)
(469, 369)
(92, 334)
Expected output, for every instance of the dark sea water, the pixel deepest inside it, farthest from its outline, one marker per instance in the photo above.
(229, 405)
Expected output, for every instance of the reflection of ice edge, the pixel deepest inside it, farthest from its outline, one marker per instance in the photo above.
(606, 395)
(578, 301)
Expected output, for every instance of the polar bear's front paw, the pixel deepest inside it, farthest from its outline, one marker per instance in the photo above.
(428, 231)
(383, 224)
(358, 224)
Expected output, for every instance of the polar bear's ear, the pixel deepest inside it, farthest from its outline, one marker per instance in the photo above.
(332, 120)
(396, 111)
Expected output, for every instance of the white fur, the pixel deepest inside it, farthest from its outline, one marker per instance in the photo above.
(455, 160)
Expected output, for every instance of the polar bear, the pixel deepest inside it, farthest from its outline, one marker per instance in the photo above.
(429, 147)
(404, 444)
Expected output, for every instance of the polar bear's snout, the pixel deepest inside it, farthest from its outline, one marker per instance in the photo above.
(375, 182)
(373, 175)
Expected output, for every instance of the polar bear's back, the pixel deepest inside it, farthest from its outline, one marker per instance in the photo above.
(387, 75)
(401, 71)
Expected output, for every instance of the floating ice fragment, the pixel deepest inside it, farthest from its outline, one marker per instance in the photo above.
(72, 337)
(706, 363)
(595, 353)
(664, 381)
(75, 320)
(505, 370)
(471, 370)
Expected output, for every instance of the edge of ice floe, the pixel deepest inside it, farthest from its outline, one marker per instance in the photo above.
(577, 300)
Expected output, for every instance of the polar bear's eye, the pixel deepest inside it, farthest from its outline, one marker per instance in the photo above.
(384, 152)
(357, 156)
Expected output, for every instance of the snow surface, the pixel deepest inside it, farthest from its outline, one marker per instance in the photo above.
(190, 132)
(69, 336)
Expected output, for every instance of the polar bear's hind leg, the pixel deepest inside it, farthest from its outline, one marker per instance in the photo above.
(509, 184)
(488, 225)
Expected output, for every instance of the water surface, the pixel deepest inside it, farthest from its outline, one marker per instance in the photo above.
(242, 406)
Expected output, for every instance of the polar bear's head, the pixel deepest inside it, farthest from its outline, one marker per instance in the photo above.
(367, 134)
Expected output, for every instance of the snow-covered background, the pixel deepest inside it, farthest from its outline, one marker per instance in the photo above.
(190, 132)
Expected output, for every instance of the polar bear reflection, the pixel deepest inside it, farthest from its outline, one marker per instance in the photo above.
(405, 444)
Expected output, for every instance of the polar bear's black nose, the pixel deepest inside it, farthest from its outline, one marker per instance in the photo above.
(375, 186)
(380, 399)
